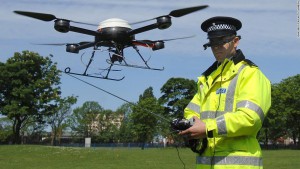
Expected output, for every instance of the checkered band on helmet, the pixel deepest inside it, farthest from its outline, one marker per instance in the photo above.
(221, 27)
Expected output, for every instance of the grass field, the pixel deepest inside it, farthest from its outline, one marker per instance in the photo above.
(45, 157)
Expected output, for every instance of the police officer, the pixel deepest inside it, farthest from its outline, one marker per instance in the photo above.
(231, 103)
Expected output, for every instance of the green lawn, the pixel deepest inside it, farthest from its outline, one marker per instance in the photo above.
(281, 159)
(45, 157)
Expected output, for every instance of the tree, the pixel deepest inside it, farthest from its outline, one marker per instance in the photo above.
(143, 119)
(176, 94)
(125, 109)
(32, 131)
(5, 130)
(108, 124)
(283, 117)
(126, 130)
(28, 89)
(83, 118)
(58, 120)
(291, 100)
(275, 119)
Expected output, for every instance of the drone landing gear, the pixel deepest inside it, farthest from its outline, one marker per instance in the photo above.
(68, 71)
(116, 57)
(134, 66)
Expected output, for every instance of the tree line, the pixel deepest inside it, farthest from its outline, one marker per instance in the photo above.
(30, 101)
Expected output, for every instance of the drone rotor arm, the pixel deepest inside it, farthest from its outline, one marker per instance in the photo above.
(133, 23)
(156, 44)
(145, 43)
(84, 23)
(83, 31)
(143, 29)
(85, 45)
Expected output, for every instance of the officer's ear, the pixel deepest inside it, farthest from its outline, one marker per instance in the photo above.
(236, 41)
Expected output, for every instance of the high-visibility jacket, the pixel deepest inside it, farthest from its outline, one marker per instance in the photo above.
(233, 99)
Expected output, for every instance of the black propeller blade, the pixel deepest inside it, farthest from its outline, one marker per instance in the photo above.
(177, 13)
(184, 11)
(40, 16)
(46, 17)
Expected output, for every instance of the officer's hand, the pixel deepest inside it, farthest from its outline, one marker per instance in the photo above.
(197, 131)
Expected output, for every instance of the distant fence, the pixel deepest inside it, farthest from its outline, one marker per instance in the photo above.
(161, 145)
(80, 142)
(280, 146)
(115, 145)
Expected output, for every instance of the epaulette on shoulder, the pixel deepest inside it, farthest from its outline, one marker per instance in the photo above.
(250, 63)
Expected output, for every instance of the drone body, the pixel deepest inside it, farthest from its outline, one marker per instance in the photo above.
(115, 34)
(116, 30)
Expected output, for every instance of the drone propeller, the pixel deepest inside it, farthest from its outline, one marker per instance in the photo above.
(177, 13)
(46, 17)
(181, 12)
(60, 44)
(186, 37)
(150, 42)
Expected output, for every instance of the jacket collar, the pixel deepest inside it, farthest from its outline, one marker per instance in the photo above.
(238, 57)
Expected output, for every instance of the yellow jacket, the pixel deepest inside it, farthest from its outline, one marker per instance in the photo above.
(232, 99)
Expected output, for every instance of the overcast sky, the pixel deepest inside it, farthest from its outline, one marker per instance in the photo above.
(269, 38)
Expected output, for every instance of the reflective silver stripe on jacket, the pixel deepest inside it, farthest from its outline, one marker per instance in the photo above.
(211, 114)
(194, 107)
(221, 124)
(231, 90)
(252, 106)
(230, 160)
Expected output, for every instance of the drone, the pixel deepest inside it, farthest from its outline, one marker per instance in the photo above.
(114, 34)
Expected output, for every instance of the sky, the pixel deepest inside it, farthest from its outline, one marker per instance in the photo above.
(270, 38)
